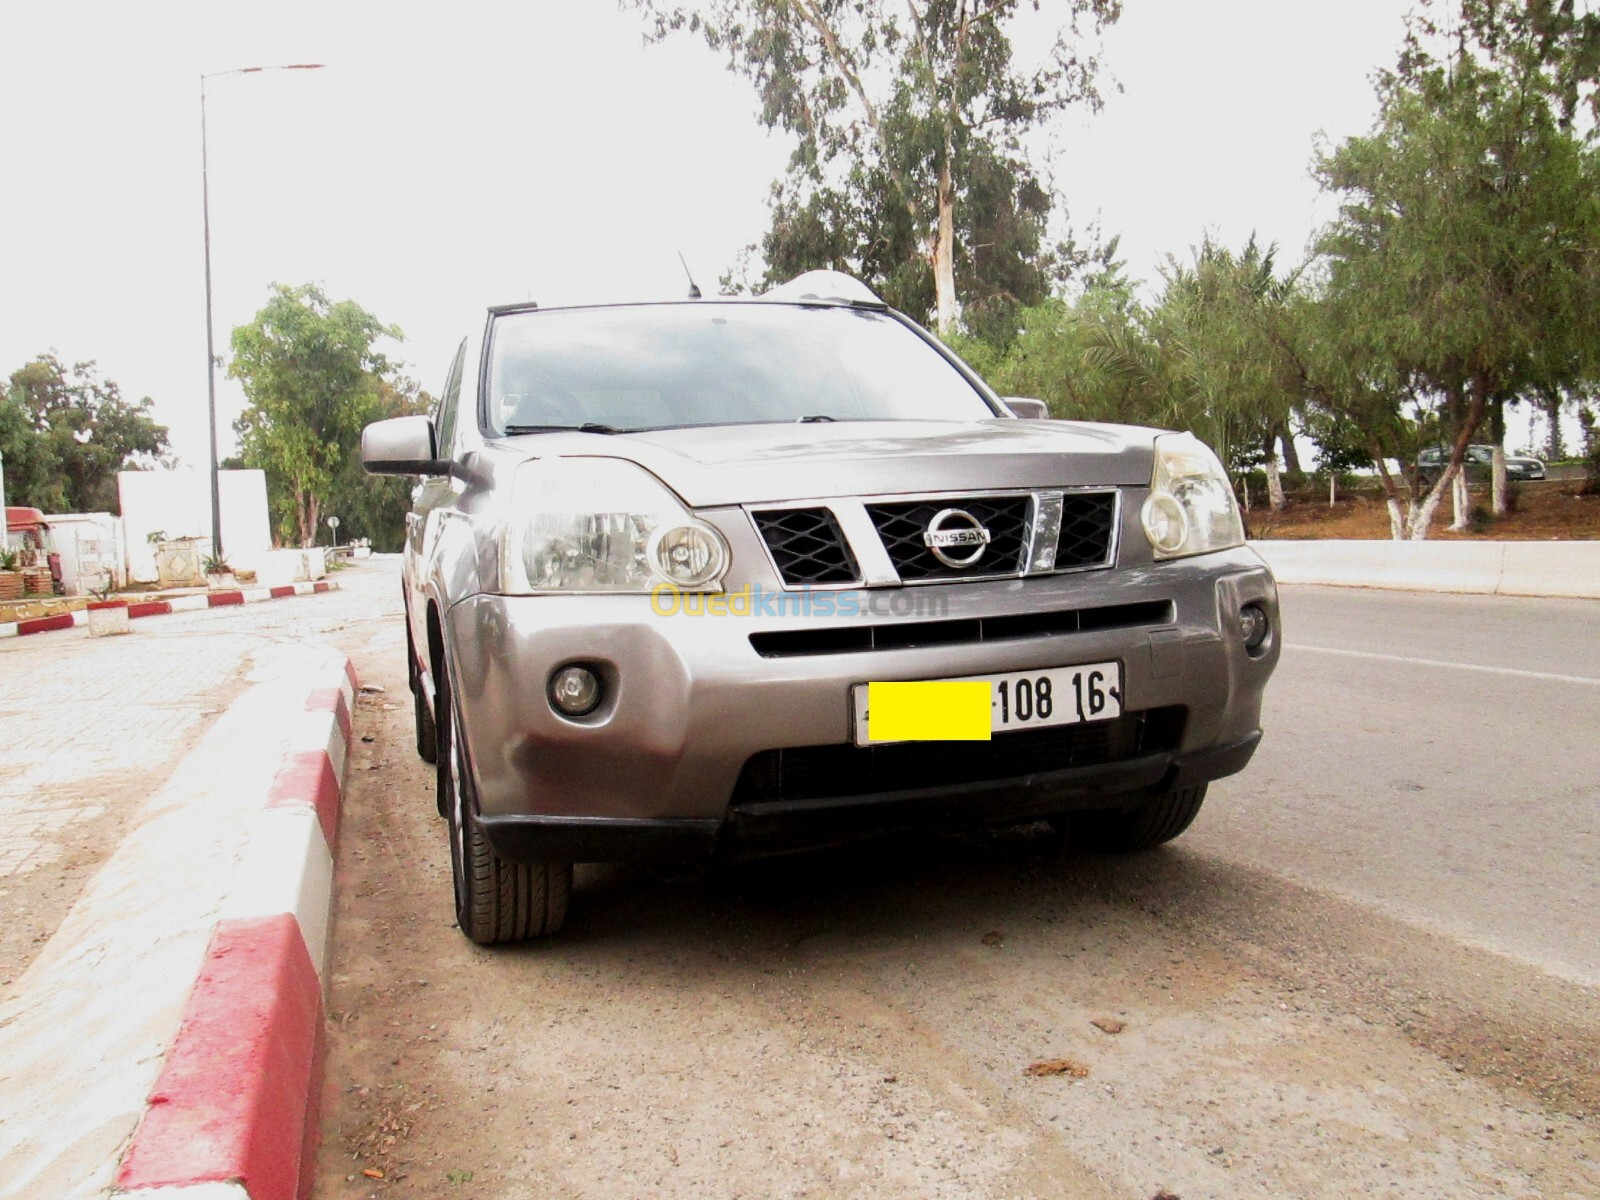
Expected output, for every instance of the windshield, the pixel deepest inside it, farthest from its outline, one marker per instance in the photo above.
(673, 365)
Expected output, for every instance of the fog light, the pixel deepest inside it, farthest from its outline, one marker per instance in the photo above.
(574, 691)
(1253, 623)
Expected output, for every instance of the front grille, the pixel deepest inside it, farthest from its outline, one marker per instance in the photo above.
(807, 546)
(821, 772)
(852, 639)
(1086, 526)
(901, 526)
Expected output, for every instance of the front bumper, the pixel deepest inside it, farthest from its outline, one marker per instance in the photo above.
(662, 769)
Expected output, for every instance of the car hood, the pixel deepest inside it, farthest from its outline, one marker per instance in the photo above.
(760, 464)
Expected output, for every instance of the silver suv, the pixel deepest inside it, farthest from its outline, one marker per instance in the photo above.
(668, 563)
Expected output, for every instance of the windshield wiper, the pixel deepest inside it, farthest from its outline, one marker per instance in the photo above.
(818, 419)
(586, 427)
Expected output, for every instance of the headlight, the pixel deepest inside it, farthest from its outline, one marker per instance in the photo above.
(603, 525)
(1191, 508)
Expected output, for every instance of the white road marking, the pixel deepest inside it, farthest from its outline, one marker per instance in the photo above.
(1442, 662)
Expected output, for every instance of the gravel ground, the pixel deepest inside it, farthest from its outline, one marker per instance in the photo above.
(863, 1023)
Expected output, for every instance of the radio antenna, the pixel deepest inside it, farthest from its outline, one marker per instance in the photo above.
(694, 288)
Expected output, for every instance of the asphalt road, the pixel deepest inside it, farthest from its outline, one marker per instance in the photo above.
(1438, 758)
(1363, 972)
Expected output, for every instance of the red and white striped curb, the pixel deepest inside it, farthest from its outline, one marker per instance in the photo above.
(233, 1115)
(156, 608)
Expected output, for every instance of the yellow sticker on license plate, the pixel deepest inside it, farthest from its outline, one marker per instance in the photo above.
(1026, 699)
(946, 710)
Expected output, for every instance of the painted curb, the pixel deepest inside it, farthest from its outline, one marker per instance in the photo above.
(1569, 569)
(234, 1110)
(156, 608)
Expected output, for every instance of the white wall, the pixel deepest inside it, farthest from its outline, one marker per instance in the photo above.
(178, 503)
(90, 546)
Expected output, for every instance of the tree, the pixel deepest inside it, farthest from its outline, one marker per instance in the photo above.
(1463, 264)
(312, 375)
(1590, 425)
(1216, 353)
(1231, 327)
(1552, 402)
(908, 168)
(66, 432)
(375, 506)
(1551, 51)
(1054, 351)
(1550, 47)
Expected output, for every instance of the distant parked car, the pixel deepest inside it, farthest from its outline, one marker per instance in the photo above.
(1432, 462)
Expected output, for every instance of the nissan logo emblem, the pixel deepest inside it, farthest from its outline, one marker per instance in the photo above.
(955, 529)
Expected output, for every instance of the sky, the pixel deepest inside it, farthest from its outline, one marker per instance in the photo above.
(448, 157)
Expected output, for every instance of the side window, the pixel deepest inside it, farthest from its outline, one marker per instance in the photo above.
(444, 420)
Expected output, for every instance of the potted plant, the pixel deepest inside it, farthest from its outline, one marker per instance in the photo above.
(218, 573)
(108, 614)
(10, 578)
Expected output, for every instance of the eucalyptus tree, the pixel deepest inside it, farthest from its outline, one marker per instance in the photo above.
(908, 167)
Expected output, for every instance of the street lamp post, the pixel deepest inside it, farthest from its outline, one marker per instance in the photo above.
(211, 353)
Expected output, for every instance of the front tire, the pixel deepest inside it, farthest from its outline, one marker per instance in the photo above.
(1126, 831)
(497, 900)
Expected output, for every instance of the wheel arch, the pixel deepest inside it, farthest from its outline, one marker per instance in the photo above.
(437, 667)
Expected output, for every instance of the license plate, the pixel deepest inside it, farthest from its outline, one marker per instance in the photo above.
(1033, 699)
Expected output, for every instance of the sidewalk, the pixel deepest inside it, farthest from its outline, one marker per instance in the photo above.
(134, 781)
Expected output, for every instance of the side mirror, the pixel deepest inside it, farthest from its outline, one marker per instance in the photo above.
(401, 446)
(1028, 410)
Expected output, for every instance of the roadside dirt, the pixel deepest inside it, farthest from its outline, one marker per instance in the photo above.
(926, 1017)
(39, 606)
(1545, 510)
